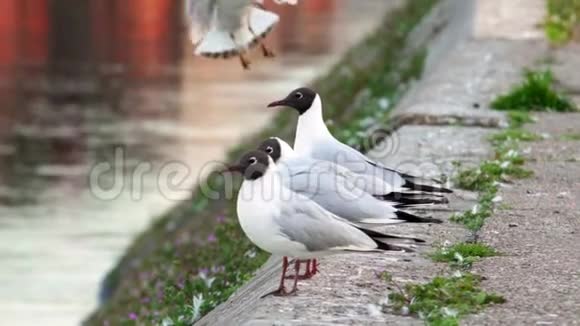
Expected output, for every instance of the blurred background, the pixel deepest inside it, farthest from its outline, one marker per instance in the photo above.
(87, 82)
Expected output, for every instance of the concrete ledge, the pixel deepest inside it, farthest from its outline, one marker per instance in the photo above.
(460, 72)
(486, 67)
(348, 284)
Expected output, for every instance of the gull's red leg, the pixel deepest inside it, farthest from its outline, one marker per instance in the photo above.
(296, 277)
(307, 274)
(245, 62)
(314, 269)
(266, 52)
(281, 291)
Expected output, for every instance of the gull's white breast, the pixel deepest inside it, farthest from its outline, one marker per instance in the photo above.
(258, 207)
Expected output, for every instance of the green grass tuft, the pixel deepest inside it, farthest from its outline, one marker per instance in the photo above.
(571, 137)
(518, 119)
(563, 20)
(444, 300)
(508, 164)
(484, 179)
(473, 219)
(514, 134)
(463, 254)
(534, 94)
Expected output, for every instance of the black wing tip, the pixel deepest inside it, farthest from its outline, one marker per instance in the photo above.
(425, 188)
(379, 235)
(408, 217)
(406, 199)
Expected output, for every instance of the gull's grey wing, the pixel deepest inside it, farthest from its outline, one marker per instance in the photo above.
(303, 221)
(322, 182)
(355, 161)
(367, 182)
(200, 14)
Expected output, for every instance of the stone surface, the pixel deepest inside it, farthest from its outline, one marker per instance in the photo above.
(348, 284)
(430, 151)
(538, 272)
(537, 230)
(495, 19)
(476, 50)
(565, 67)
(485, 68)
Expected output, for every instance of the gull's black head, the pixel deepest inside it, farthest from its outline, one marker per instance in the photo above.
(300, 99)
(271, 146)
(252, 165)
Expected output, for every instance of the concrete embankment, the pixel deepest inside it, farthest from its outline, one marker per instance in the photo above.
(477, 50)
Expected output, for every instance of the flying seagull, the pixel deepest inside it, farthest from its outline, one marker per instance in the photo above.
(289, 224)
(313, 139)
(322, 181)
(226, 28)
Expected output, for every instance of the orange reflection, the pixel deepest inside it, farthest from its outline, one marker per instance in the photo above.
(145, 34)
(23, 32)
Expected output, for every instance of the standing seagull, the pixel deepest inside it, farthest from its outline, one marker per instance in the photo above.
(293, 226)
(325, 179)
(332, 187)
(225, 28)
(313, 139)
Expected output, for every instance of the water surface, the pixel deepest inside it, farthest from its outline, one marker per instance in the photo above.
(85, 83)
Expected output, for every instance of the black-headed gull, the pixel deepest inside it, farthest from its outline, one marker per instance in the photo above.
(333, 187)
(310, 173)
(288, 224)
(313, 139)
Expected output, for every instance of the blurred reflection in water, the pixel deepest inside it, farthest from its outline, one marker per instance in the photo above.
(79, 79)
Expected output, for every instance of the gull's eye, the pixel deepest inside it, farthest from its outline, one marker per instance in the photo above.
(298, 95)
(252, 160)
(269, 150)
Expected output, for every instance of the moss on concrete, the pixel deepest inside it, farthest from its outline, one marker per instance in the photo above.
(570, 137)
(563, 20)
(507, 164)
(462, 255)
(442, 301)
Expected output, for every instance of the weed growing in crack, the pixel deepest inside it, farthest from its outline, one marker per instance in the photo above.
(514, 134)
(535, 93)
(442, 301)
(463, 255)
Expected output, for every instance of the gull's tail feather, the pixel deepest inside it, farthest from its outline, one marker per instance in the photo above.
(408, 217)
(219, 43)
(413, 184)
(411, 199)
